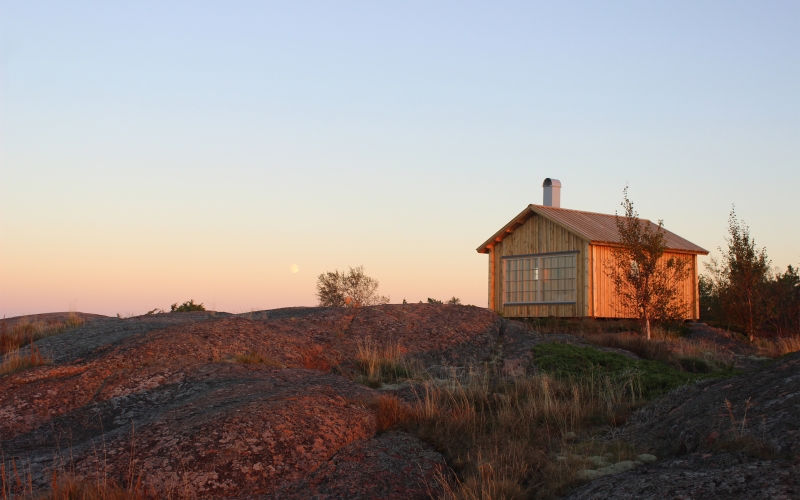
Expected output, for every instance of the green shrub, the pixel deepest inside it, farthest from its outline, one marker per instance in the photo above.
(188, 306)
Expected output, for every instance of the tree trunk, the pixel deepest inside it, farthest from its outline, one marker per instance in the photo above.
(647, 324)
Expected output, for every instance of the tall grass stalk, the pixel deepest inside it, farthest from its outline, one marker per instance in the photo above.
(378, 363)
(502, 434)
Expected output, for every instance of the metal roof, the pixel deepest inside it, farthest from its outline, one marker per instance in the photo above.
(594, 227)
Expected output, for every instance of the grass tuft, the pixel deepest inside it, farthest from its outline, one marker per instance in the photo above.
(778, 346)
(15, 362)
(384, 363)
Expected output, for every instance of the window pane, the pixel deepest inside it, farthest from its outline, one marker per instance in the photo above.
(534, 279)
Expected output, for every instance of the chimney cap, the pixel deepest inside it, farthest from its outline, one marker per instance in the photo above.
(548, 182)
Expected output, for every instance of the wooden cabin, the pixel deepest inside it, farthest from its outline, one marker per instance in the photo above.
(550, 261)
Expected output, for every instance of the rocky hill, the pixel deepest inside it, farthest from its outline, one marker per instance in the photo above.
(170, 401)
(158, 397)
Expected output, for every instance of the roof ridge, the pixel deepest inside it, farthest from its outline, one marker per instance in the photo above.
(582, 211)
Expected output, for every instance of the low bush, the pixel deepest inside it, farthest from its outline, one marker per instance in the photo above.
(348, 289)
(187, 306)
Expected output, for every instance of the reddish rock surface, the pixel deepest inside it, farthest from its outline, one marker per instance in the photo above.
(391, 466)
(160, 398)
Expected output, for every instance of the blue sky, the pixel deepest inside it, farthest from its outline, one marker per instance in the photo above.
(154, 152)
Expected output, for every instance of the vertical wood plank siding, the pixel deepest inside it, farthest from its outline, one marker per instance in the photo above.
(498, 273)
(539, 235)
(491, 280)
(595, 293)
(606, 302)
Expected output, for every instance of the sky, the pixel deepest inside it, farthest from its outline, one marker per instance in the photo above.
(156, 152)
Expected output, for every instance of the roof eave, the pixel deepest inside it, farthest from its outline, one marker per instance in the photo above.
(507, 229)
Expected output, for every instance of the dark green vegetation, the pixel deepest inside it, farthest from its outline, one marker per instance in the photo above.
(187, 306)
(645, 378)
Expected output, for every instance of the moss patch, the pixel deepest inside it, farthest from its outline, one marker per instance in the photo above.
(575, 363)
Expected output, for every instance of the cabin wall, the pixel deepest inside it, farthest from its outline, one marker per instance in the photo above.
(539, 235)
(605, 300)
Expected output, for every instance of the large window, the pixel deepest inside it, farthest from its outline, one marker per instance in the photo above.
(532, 279)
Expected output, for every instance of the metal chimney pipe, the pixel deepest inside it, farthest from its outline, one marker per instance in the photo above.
(552, 193)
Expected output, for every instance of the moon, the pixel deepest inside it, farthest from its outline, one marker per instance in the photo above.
(294, 268)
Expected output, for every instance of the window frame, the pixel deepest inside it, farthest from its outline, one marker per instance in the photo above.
(539, 291)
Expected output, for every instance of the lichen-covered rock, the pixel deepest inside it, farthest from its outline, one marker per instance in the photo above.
(161, 400)
(392, 466)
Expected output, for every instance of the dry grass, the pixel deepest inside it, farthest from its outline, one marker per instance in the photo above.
(380, 363)
(16, 483)
(667, 344)
(510, 438)
(14, 361)
(390, 412)
(28, 331)
(778, 346)
(70, 488)
(689, 355)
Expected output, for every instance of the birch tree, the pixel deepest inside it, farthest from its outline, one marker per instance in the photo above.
(645, 282)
